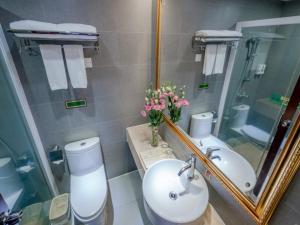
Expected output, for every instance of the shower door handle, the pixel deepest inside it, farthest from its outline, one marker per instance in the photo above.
(286, 123)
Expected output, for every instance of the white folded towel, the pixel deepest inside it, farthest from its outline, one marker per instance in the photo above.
(32, 25)
(54, 66)
(43, 26)
(75, 64)
(76, 27)
(214, 59)
(221, 39)
(218, 33)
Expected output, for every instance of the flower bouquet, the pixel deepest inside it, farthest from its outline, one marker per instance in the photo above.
(176, 100)
(154, 106)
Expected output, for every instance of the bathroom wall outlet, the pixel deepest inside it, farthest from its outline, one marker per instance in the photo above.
(198, 57)
(88, 62)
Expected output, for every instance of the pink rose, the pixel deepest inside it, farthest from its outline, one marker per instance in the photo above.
(178, 104)
(156, 107)
(152, 102)
(163, 95)
(148, 108)
(171, 94)
(185, 102)
(175, 98)
(162, 101)
(143, 113)
(162, 106)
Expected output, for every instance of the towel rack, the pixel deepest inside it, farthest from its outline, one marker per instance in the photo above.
(26, 37)
(200, 42)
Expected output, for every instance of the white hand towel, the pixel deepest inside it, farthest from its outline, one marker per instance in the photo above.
(54, 66)
(220, 59)
(209, 59)
(75, 64)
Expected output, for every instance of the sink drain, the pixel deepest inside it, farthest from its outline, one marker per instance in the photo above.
(247, 184)
(173, 195)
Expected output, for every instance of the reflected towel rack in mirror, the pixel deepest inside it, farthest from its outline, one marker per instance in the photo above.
(26, 37)
(199, 42)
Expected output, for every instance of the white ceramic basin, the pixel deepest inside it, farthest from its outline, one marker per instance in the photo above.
(235, 167)
(160, 180)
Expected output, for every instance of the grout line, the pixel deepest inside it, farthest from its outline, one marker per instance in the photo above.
(125, 174)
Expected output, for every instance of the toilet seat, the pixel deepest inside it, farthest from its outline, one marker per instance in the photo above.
(88, 194)
(256, 134)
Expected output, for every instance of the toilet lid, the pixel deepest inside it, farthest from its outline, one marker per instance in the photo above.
(88, 193)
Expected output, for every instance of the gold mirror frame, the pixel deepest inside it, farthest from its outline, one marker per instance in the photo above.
(283, 172)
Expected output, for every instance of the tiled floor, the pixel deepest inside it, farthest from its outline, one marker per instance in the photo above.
(127, 200)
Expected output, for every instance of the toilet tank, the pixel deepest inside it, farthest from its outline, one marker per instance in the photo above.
(201, 125)
(84, 156)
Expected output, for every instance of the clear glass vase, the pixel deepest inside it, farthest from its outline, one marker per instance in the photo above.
(154, 138)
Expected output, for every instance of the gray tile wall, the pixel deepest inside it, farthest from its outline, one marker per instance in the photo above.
(116, 83)
(180, 20)
(288, 211)
(283, 63)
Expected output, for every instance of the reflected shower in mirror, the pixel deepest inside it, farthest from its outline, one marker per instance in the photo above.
(241, 81)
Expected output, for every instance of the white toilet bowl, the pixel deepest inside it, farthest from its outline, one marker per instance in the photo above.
(88, 186)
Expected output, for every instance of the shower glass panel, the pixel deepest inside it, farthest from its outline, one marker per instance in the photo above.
(21, 179)
(265, 72)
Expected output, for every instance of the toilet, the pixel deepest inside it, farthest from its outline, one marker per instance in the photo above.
(239, 125)
(88, 184)
(201, 125)
(240, 117)
(200, 132)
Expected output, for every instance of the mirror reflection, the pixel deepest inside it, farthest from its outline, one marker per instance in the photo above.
(238, 80)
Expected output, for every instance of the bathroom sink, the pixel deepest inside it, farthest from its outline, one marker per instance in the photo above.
(234, 166)
(172, 199)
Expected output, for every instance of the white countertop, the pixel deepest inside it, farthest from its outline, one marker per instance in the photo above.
(138, 138)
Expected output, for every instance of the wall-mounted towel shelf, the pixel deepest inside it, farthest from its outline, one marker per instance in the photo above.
(199, 42)
(28, 37)
(54, 35)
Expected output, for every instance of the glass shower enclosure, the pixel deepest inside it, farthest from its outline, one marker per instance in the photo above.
(264, 77)
(22, 180)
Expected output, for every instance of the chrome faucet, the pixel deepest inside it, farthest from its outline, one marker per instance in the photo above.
(209, 152)
(242, 95)
(190, 166)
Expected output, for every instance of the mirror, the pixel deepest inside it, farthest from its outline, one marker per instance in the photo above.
(238, 64)
(263, 79)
